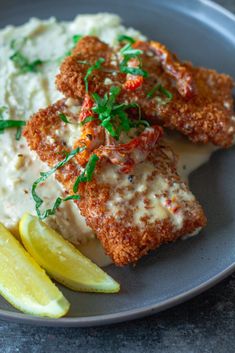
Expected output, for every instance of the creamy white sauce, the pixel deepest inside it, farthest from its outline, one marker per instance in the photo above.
(190, 156)
(25, 94)
(149, 196)
(134, 192)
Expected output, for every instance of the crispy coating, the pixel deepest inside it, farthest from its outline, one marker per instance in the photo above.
(112, 209)
(121, 209)
(70, 80)
(202, 104)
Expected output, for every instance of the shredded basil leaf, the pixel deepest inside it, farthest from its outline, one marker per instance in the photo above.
(87, 174)
(5, 124)
(113, 116)
(64, 118)
(123, 37)
(133, 70)
(128, 50)
(43, 177)
(20, 60)
(3, 109)
(76, 38)
(18, 133)
(23, 64)
(128, 53)
(88, 119)
(164, 91)
(96, 66)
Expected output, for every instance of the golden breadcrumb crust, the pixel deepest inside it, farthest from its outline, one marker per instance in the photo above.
(124, 239)
(205, 116)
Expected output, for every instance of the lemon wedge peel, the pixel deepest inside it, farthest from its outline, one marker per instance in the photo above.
(61, 260)
(24, 284)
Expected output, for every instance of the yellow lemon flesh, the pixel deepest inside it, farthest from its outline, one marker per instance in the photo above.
(62, 260)
(24, 284)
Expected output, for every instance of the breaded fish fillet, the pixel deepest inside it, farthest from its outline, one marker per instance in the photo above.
(202, 104)
(130, 213)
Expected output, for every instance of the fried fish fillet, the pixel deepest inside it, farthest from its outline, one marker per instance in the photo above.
(202, 104)
(130, 213)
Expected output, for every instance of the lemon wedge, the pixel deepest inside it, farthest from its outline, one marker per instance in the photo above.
(62, 260)
(24, 284)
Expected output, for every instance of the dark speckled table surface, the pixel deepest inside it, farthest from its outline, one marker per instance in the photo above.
(204, 324)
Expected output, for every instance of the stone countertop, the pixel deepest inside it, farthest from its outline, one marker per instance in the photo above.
(204, 324)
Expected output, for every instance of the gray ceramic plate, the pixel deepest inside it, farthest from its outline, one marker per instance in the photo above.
(203, 33)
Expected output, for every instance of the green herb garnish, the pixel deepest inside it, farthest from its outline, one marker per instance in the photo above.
(18, 133)
(23, 64)
(43, 177)
(68, 53)
(113, 116)
(2, 111)
(164, 91)
(123, 37)
(20, 60)
(5, 124)
(128, 53)
(64, 118)
(88, 119)
(76, 38)
(133, 70)
(87, 174)
(127, 50)
(96, 66)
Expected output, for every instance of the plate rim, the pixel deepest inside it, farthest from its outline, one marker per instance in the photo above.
(126, 315)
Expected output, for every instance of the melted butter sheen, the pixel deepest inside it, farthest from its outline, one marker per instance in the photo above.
(25, 94)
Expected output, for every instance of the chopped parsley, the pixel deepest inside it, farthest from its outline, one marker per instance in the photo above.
(64, 118)
(113, 116)
(6, 124)
(3, 109)
(96, 66)
(125, 38)
(43, 177)
(88, 119)
(159, 88)
(76, 38)
(20, 60)
(87, 174)
(23, 63)
(128, 53)
(18, 133)
(132, 70)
